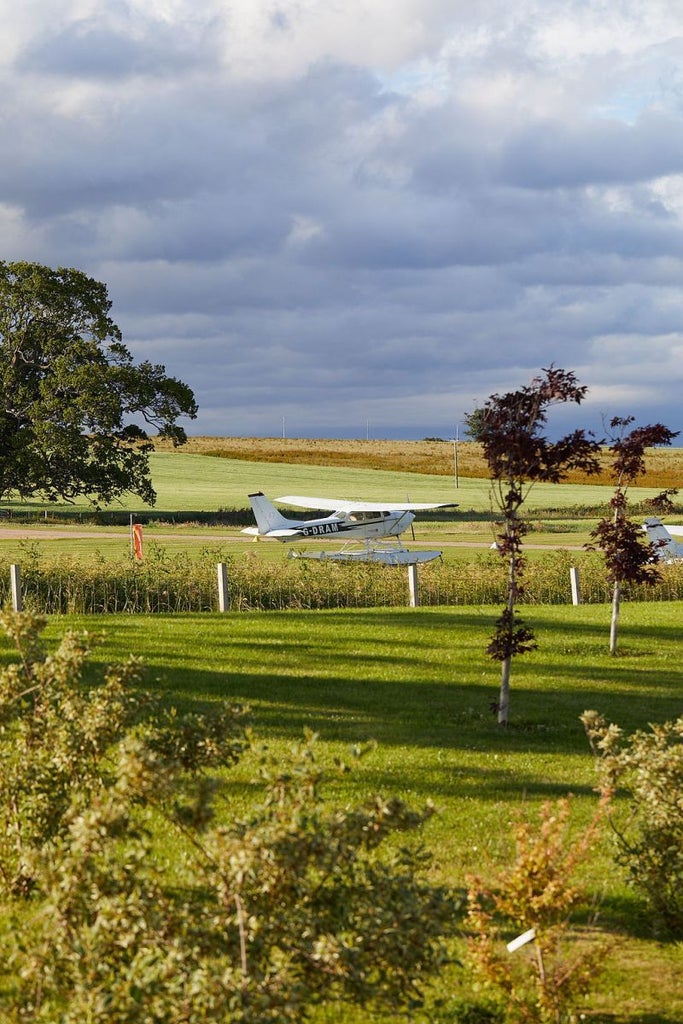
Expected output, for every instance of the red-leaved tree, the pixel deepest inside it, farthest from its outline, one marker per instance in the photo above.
(629, 556)
(510, 428)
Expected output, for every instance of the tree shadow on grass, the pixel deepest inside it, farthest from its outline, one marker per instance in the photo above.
(393, 688)
(629, 915)
(486, 784)
(418, 711)
(403, 682)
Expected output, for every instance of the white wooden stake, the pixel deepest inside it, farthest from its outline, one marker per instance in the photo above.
(576, 588)
(223, 592)
(15, 580)
(413, 586)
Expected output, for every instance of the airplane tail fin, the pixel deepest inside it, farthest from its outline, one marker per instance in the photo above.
(658, 535)
(267, 516)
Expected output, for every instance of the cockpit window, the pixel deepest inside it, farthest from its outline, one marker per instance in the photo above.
(367, 517)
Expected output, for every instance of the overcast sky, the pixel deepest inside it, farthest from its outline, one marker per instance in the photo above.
(360, 217)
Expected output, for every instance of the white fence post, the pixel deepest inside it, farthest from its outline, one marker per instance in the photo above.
(413, 586)
(15, 581)
(576, 588)
(223, 592)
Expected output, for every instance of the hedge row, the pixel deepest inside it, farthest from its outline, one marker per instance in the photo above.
(189, 584)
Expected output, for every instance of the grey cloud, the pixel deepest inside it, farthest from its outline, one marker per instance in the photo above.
(237, 144)
(89, 49)
(326, 249)
(554, 155)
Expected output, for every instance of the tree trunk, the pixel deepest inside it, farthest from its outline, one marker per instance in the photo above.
(614, 627)
(504, 696)
(506, 665)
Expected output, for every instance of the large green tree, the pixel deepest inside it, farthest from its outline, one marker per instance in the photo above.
(72, 400)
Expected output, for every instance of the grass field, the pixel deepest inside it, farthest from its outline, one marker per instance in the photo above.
(190, 479)
(203, 483)
(458, 538)
(664, 466)
(418, 682)
(200, 483)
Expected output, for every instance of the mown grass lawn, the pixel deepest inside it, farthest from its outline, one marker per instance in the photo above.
(419, 684)
(456, 539)
(205, 483)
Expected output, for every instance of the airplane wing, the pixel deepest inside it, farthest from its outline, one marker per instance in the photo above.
(675, 531)
(342, 505)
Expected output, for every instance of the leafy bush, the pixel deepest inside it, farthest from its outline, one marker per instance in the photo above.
(648, 766)
(542, 981)
(57, 733)
(143, 907)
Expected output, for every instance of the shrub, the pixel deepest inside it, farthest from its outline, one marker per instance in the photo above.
(144, 908)
(57, 734)
(648, 767)
(543, 981)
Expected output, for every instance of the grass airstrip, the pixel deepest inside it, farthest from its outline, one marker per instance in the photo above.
(419, 684)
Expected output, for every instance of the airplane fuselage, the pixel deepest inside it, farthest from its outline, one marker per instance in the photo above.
(346, 524)
(357, 526)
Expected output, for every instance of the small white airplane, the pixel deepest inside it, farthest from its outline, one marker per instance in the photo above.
(377, 525)
(661, 536)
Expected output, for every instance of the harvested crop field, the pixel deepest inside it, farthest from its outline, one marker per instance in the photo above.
(435, 457)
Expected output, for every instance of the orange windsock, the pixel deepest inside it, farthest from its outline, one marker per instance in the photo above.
(137, 542)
